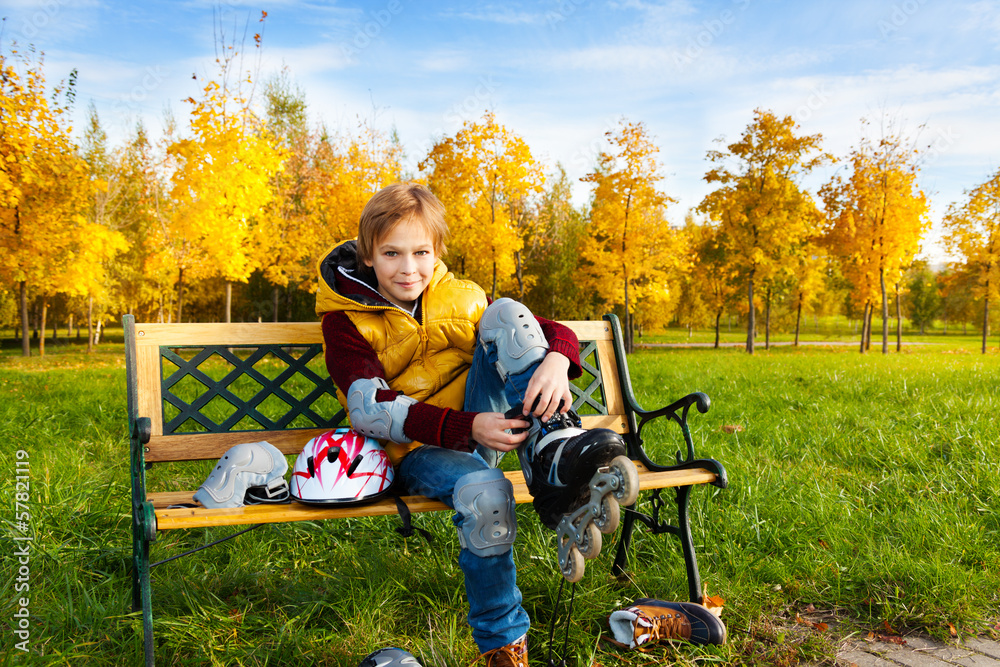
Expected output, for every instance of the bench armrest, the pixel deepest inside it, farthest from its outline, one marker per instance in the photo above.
(677, 412)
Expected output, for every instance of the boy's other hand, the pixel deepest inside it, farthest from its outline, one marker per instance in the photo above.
(490, 430)
(549, 386)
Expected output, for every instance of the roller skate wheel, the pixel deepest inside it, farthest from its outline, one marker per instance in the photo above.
(609, 518)
(590, 543)
(629, 477)
(572, 569)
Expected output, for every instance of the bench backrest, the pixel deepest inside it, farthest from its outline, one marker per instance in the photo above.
(206, 387)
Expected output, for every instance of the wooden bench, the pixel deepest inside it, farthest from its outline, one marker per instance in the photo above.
(194, 390)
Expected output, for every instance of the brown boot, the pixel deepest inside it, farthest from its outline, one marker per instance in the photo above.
(511, 655)
(651, 620)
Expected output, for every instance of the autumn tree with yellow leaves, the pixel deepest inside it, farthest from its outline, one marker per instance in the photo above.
(486, 177)
(973, 233)
(630, 251)
(876, 218)
(713, 274)
(47, 246)
(765, 217)
(221, 184)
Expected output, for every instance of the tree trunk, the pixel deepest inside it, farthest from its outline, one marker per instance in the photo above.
(718, 320)
(986, 318)
(767, 321)
(751, 319)
(275, 296)
(628, 320)
(180, 296)
(868, 328)
(97, 332)
(864, 319)
(90, 325)
(519, 272)
(899, 323)
(229, 302)
(25, 341)
(493, 292)
(41, 337)
(885, 313)
(798, 320)
(69, 327)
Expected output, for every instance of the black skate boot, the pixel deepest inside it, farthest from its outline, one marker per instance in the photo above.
(577, 479)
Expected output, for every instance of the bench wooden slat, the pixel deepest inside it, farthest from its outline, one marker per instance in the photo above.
(147, 362)
(171, 519)
(609, 373)
(238, 333)
(284, 333)
(210, 446)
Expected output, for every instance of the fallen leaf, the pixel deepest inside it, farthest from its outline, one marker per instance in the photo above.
(713, 603)
(888, 628)
(952, 630)
(823, 544)
(822, 627)
(732, 428)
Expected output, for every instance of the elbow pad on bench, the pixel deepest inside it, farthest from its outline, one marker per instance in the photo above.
(514, 330)
(244, 467)
(485, 499)
(382, 420)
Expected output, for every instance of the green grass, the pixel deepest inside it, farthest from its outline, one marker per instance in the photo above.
(865, 486)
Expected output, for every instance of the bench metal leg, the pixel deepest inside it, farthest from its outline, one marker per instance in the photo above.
(624, 542)
(141, 593)
(682, 530)
(687, 545)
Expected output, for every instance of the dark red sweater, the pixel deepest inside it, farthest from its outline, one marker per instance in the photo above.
(349, 357)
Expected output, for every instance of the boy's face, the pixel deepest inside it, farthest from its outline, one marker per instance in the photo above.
(404, 262)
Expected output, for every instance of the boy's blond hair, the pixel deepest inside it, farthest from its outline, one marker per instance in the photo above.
(397, 203)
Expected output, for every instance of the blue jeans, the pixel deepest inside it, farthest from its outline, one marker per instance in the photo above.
(495, 612)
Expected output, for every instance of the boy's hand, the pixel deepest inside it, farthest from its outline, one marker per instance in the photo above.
(490, 430)
(549, 385)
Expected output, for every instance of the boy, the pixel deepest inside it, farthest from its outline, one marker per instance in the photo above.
(424, 361)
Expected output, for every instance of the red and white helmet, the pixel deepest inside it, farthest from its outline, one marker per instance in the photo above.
(341, 467)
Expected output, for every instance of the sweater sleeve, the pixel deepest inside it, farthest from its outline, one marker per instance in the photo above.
(349, 357)
(561, 339)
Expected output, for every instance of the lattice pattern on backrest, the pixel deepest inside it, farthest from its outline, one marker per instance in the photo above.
(217, 389)
(588, 389)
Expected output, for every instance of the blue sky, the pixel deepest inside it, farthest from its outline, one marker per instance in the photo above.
(562, 72)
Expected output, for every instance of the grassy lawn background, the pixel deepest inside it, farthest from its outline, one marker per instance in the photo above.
(863, 487)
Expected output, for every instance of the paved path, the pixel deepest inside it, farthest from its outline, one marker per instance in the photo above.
(919, 651)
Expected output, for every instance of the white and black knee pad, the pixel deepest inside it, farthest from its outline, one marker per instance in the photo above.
(485, 499)
(382, 420)
(258, 467)
(516, 333)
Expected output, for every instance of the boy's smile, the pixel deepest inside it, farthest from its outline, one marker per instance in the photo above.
(404, 262)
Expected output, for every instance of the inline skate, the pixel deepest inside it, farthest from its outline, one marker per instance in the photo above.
(578, 479)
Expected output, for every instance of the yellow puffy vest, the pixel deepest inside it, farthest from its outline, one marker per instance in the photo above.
(427, 361)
